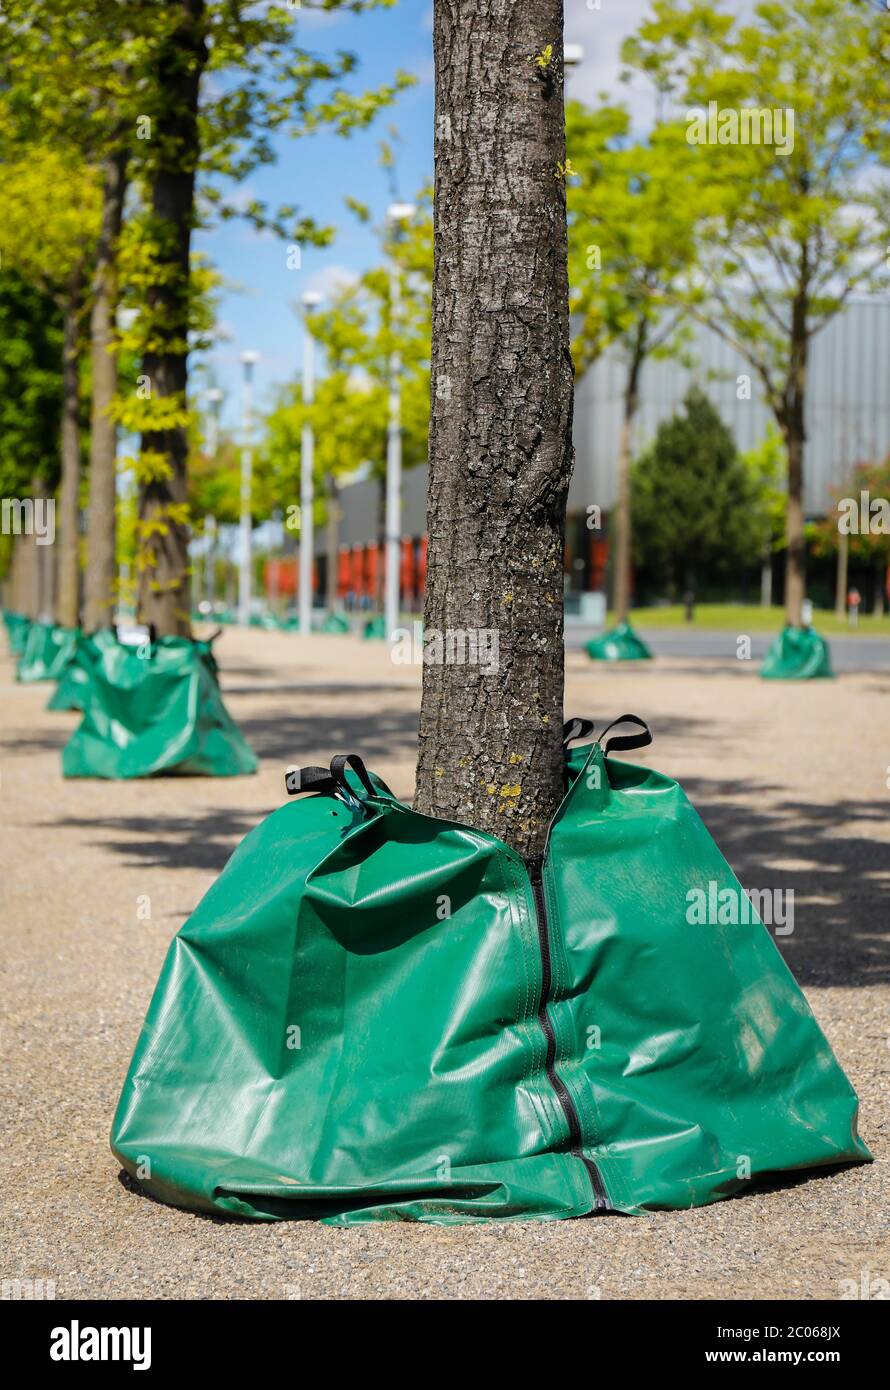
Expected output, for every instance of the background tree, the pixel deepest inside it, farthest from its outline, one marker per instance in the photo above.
(632, 225)
(30, 417)
(696, 504)
(788, 235)
(501, 418)
(264, 82)
(357, 334)
(49, 210)
(867, 543)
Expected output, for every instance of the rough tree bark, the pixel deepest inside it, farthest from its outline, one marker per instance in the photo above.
(501, 417)
(101, 571)
(68, 525)
(164, 582)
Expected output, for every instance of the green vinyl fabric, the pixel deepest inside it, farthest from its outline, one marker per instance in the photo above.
(156, 709)
(73, 686)
(17, 626)
(376, 1015)
(620, 643)
(47, 651)
(797, 654)
(334, 623)
(374, 629)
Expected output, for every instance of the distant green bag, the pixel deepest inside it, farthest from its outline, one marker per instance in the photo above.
(373, 1014)
(374, 629)
(335, 623)
(48, 650)
(156, 708)
(797, 654)
(17, 628)
(620, 643)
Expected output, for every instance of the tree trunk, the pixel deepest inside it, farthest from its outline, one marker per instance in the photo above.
(621, 571)
(164, 580)
(68, 599)
(333, 541)
(766, 580)
(878, 596)
(500, 430)
(101, 575)
(840, 587)
(32, 563)
(793, 427)
(689, 595)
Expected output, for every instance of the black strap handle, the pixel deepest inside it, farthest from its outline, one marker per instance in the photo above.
(308, 779)
(624, 742)
(576, 728)
(339, 765)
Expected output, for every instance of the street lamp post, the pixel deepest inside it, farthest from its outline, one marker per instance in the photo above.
(310, 300)
(248, 361)
(397, 216)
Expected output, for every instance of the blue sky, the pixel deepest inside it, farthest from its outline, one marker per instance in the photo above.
(256, 308)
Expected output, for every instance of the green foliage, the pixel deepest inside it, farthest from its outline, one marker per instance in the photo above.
(30, 385)
(358, 334)
(632, 234)
(696, 505)
(785, 237)
(767, 465)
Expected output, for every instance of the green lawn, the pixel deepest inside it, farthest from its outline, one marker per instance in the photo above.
(740, 617)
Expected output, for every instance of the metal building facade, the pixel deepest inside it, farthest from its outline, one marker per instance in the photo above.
(848, 406)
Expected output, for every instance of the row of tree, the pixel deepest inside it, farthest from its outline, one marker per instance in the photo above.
(761, 244)
(124, 128)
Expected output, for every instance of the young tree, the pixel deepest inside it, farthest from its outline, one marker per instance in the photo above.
(632, 227)
(501, 417)
(696, 504)
(795, 217)
(357, 334)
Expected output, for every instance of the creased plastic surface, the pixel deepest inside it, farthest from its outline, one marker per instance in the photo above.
(797, 654)
(158, 712)
(47, 651)
(620, 643)
(17, 627)
(347, 1025)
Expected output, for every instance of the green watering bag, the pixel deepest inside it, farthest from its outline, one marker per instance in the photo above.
(47, 651)
(797, 654)
(72, 690)
(152, 709)
(378, 1015)
(620, 643)
(17, 628)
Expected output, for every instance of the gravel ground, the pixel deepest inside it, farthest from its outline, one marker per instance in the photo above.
(791, 779)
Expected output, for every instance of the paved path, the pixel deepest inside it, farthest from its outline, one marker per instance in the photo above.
(792, 780)
(847, 653)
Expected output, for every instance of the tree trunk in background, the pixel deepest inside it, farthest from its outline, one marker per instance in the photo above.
(333, 545)
(500, 452)
(791, 421)
(68, 522)
(878, 597)
(766, 580)
(623, 522)
(164, 587)
(840, 587)
(101, 574)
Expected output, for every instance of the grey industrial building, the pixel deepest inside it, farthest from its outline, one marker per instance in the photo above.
(848, 421)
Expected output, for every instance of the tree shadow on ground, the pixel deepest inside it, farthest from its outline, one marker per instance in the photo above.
(839, 873)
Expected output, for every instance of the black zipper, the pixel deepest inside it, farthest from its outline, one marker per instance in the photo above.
(535, 869)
